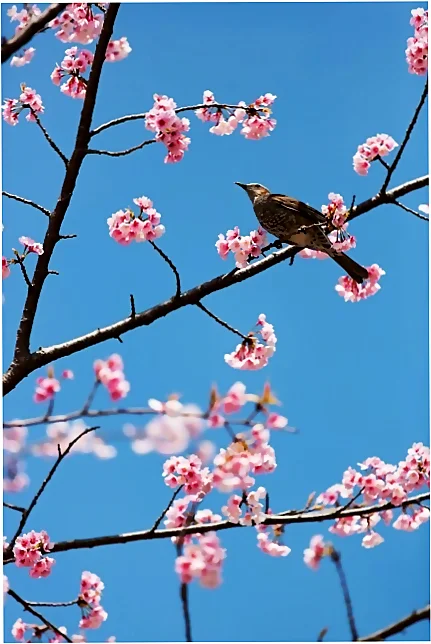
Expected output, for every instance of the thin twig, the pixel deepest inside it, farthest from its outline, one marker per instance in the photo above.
(122, 153)
(85, 409)
(408, 133)
(389, 197)
(412, 212)
(132, 307)
(28, 202)
(73, 602)
(19, 260)
(397, 627)
(29, 609)
(11, 506)
(52, 143)
(284, 518)
(172, 266)
(184, 596)
(160, 518)
(38, 494)
(336, 558)
(221, 322)
(36, 25)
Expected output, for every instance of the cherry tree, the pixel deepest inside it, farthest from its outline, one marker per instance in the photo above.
(371, 494)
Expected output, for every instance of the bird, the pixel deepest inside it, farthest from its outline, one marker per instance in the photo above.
(295, 222)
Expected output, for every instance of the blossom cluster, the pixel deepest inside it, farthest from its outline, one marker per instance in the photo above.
(89, 601)
(125, 226)
(351, 291)
(373, 148)
(117, 50)
(5, 270)
(169, 128)
(179, 470)
(29, 551)
(255, 118)
(269, 540)
(254, 513)
(110, 373)
(316, 551)
(241, 246)
(24, 16)
(73, 65)
(24, 59)
(417, 46)
(202, 559)
(377, 481)
(252, 354)
(78, 23)
(30, 246)
(29, 99)
(63, 433)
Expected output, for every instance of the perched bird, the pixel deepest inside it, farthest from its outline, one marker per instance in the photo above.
(294, 222)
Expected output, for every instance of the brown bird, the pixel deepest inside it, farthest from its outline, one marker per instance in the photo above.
(294, 222)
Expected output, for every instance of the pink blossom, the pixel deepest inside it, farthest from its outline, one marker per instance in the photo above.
(417, 46)
(351, 291)
(125, 227)
(24, 16)
(110, 374)
(29, 98)
(242, 247)
(372, 539)
(42, 568)
(63, 433)
(268, 540)
(94, 619)
(91, 588)
(202, 559)
(78, 23)
(315, 552)
(169, 128)
(67, 374)
(30, 246)
(375, 146)
(5, 585)
(251, 354)
(117, 50)
(11, 109)
(19, 629)
(28, 551)
(46, 389)
(178, 470)
(20, 61)
(5, 268)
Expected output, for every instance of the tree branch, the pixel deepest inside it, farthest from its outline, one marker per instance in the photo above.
(284, 518)
(171, 265)
(22, 367)
(52, 236)
(29, 609)
(122, 153)
(220, 321)
(336, 558)
(28, 202)
(20, 39)
(27, 512)
(411, 211)
(397, 627)
(51, 142)
(407, 136)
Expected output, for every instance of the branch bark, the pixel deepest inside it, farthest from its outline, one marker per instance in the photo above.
(397, 627)
(15, 43)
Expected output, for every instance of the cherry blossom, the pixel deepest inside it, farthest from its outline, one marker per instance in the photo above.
(117, 50)
(30, 246)
(63, 433)
(316, 551)
(46, 388)
(351, 291)
(251, 354)
(242, 247)
(24, 16)
(269, 540)
(169, 128)
(78, 23)
(73, 65)
(19, 629)
(12, 107)
(372, 539)
(202, 559)
(29, 550)
(20, 61)
(179, 470)
(110, 373)
(374, 147)
(417, 46)
(125, 226)
(5, 270)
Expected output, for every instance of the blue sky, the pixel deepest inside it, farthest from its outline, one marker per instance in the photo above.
(353, 378)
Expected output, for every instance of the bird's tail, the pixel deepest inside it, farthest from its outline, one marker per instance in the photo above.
(352, 268)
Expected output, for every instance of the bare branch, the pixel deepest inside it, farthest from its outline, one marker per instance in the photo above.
(221, 322)
(21, 368)
(397, 627)
(73, 602)
(122, 153)
(27, 512)
(284, 518)
(22, 346)
(336, 558)
(36, 25)
(171, 265)
(184, 596)
(407, 136)
(52, 143)
(411, 211)
(28, 202)
(171, 500)
(27, 607)
(11, 506)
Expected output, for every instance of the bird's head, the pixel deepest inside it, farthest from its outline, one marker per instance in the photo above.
(254, 190)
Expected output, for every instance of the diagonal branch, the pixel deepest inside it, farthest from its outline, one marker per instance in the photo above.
(411, 211)
(13, 45)
(22, 367)
(397, 627)
(28, 202)
(122, 153)
(336, 558)
(27, 512)
(52, 236)
(43, 619)
(51, 142)
(407, 136)
(220, 321)
(171, 265)
(284, 518)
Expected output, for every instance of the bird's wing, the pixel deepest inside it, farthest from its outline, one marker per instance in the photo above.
(308, 212)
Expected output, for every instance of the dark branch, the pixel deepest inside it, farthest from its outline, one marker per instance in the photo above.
(28, 202)
(397, 627)
(52, 143)
(336, 558)
(122, 153)
(171, 265)
(160, 518)
(411, 211)
(11, 506)
(407, 136)
(27, 607)
(390, 196)
(284, 518)
(220, 321)
(13, 45)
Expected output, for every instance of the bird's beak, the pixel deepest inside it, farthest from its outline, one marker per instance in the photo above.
(241, 185)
